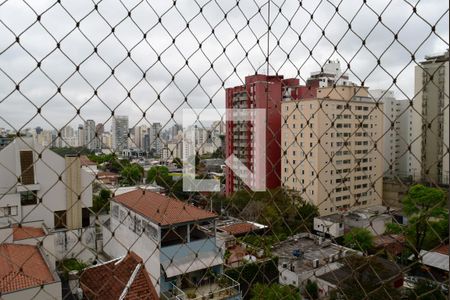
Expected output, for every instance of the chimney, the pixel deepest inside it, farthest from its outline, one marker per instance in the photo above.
(73, 191)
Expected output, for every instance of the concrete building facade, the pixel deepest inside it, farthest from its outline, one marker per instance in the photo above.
(332, 148)
(259, 92)
(119, 133)
(431, 120)
(39, 195)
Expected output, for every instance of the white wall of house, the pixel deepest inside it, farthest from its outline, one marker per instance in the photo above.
(375, 224)
(125, 239)
(47, 292)
(335, 229)
(47, 171)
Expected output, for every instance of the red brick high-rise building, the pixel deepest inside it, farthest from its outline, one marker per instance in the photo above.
(263, 92)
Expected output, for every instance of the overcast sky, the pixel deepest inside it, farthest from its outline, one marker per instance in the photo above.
(139, 77)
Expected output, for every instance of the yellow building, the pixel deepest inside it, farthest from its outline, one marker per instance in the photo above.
(332, 148)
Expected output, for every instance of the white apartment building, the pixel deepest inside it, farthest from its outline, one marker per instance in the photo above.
(430, 120)
(330, 74)
(332, 148)
(139, 133)
(404, 136)
(38, 185)
(397, 129)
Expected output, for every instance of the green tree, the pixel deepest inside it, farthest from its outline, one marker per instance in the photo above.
(424, 206)
(359, 239)
(132, 174)
(312, 289)
(274, 291)
(101, 201)
(160, 175)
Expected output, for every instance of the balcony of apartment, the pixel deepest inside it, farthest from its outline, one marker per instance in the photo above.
(214, 287)
(189, 248)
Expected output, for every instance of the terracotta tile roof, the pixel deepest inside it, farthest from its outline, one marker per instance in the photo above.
(25, 232)
(109, 281)
(21, 267)
(85, 161)
(239, 228)
(442, 249)
(162, 209)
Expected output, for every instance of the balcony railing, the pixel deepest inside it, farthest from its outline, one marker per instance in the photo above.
(217, 288)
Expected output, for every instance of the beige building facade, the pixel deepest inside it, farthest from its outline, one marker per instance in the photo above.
(430, 121)
(332, 149)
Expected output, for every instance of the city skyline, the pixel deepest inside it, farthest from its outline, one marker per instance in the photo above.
(168, 82)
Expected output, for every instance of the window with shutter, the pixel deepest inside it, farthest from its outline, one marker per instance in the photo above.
(26, 167)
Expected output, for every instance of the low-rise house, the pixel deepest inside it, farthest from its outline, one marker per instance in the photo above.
(180, 256)
(88, 165)
(376, 270)
(331, 225)
(436, 261)
(237, 227)
(25, 274)
(121, 278)
(108, 178)
(336, 225)
(41, 191)
(306, 256)
(392, 244)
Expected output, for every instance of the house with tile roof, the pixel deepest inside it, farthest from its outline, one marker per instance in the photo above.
(25, 274)
(45, 199)
(121, 278)
(180, 255)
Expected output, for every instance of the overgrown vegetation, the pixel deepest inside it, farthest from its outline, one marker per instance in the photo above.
(275, 291)
(70, 264)
(284, 212)
(265, 272)
(427, 228)
(101, 201)
(360, 239)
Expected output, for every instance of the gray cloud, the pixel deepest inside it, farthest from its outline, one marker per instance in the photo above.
(243, 56)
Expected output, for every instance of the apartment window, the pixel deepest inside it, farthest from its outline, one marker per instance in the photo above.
(26, 167)
(28, 198)
(60, 219)
(85, 217)
(115, 211)
(8, 211)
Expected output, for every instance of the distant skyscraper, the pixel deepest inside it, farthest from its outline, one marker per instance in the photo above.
(139, 132)
(80, 133)
(90, 141)
(119, 131)
(155, 139)
(431, 120)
